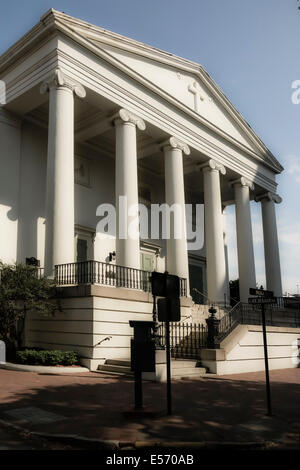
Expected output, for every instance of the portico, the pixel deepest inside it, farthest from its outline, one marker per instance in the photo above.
(127, 121)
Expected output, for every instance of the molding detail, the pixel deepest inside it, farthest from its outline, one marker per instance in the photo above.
(269, 197)
(8, 118)
(242, 181)
(124, 115)
(92, 37)
(175, 143)
(59, 79)
(212, 165)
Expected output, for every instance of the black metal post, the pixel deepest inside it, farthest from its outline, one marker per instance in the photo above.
(268, 390)
(138, 390)
(169, 393)
(212, 328)
(155, 327)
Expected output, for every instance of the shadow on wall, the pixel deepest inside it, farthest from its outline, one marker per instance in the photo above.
(31, 226)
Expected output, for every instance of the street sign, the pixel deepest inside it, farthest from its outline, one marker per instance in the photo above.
(168, 309)
(262, 300)
(172, 286)
(158, 284)
(261, 292)
(165, 285)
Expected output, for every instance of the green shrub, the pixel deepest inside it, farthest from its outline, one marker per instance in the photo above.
(46, 357)
(70, 358)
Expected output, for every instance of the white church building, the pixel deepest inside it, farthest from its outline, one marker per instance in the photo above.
(89, 117)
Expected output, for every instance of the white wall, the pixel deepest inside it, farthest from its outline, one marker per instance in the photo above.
(10, 145)
(243, 350)
(33, 164)
(23, 187)
(87, 320)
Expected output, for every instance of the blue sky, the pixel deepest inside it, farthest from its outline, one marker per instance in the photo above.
(250, 48)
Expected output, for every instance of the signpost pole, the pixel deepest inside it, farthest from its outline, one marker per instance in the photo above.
(268, 390)
(138, 390)
(169, 394)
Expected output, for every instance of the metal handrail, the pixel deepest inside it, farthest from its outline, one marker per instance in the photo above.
(186, 339)
(202, 293)
(234, 307)
(98, 272)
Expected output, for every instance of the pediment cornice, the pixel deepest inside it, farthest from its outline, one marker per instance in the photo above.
(92, 37)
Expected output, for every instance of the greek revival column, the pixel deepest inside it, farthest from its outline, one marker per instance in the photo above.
(272, 259)
(244, 236)
(127, 239)
(177, 255)
(215, 254)
(227, 289)
(59, 247)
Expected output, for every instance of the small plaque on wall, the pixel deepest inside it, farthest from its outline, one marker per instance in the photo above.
(82, 171)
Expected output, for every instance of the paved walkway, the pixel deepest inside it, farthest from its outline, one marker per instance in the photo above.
(8, 441)
(218, 409)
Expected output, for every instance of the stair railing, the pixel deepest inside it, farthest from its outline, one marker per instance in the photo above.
(228, 321)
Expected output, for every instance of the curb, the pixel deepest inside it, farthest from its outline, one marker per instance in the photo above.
(43, 369)
(111, 445)
(66, 438)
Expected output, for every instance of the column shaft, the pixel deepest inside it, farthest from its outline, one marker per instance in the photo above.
(227, 289)
(244, 240)
(272, 260)
(59, 243)
(215, 255)
(60, 179)
(127, 240)
(177, 255)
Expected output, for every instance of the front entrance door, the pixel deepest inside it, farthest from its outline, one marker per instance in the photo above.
(82, 250)
(196, 282)
(148, 265)
(148, 261)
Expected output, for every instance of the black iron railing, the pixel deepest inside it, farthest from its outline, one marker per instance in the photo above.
(285, 313)
(186, 339)
(287, 303)
(96, 272)
(39, 272)
(229, 321)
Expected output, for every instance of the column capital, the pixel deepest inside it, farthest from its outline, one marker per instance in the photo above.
(212, 165)
(124, 116)
(269, 197)
(59, 79)
(175, 143)
(242, 181)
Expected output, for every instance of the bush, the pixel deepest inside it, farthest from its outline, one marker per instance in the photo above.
(46, 357)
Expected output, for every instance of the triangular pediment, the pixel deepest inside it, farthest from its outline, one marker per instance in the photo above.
(180, 81)
(186, 88)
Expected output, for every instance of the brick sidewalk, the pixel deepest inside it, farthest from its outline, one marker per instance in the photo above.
(218, 409)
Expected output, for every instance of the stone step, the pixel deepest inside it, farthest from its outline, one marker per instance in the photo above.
(179, 368)
(118, 362)
(189, 372)
(188, 351)
(180, 364)
(120, 369)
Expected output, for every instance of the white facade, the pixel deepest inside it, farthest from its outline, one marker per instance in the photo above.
(91, 115)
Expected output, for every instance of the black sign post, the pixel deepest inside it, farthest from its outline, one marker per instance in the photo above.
(167, 287)
(263, 298)
(168, 352)
(142, 356)
(268, 388)
(168, 310)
